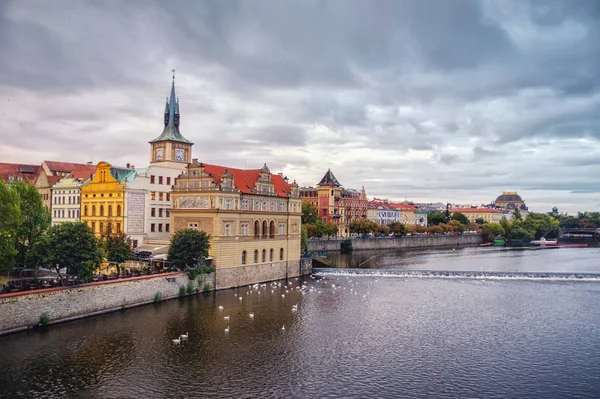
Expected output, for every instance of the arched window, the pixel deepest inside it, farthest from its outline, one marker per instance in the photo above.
(243, 257)
(85, 211)
(256, 228)
(110, 210)
(271, 255)
(93, 210)
(101, 212)
(281, 254)
(272, 229)
(256, 256)
(264, 255)
(101, 227)
(264, 230)
(118, 210)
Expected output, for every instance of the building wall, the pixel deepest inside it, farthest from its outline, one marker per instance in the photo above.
(66, 201)
(103, 192)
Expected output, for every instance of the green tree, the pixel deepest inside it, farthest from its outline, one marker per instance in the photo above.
(382, 230)
(310, 213)
(35, 220)
(10, 216)
(490, 230)
(517, 214)
(188, 248)
(362, 226)
(312, 231)
(303, 238)
(456, 225)
(330, 229)
(397, 228)
(435, 218)
(480, 221)
(460, 217)
(71, 245)
(519, 234)
(117, 247)
(541, 225)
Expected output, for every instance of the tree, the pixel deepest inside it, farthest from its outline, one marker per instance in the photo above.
(435, 218)
(435, 229)
(397, 228)
(35, 220)
(480, 221)
(456, 225)
(382, 230)
(519, 234)
(490, 230)
(362, 226)
(10, 216)
(117, 247)
(188, 248)
(330, 229)
(310, 213)
(541, 225)
(460, 217)
(517, 214)
(303, 238)
(71, 245)
(312, 231)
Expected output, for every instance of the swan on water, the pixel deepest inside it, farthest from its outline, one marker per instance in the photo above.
(283, 295)
(220, 307)
(227, 329)
(184, 336)
(177, 341)
(226, 317)
(283, 327)
(251, 315)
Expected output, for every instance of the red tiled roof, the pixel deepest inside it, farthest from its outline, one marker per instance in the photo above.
(477, 210)
(403, 207)
(65, 166)
(15, 170)
(245, 179)
(83, 173)
(52, 180)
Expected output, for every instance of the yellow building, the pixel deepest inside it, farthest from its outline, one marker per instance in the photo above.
(488, 215)
(103, 198)
(253, 218)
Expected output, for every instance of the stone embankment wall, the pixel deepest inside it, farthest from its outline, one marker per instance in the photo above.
(20, 311)
(400, 242)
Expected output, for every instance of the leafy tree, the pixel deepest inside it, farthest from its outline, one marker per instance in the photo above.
(362, 226)
(312, 231)
(437, 229)
(35, 220)
(480, 221)
(519, 234)
(382, 230)
(435, 218)
(541, 225)
(188, 248)
(569, 222)
(310, 213)
(456, 225)
(71, 245)
(117, 247)
(10, 216)
(330, 229)
(397, 228)
(303, 238)
(490, 230)
(472, 226)
(517, 214)
(460, 217)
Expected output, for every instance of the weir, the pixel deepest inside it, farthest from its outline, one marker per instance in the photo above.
(460, 274)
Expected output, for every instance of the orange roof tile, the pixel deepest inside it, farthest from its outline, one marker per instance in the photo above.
(15, 170)
(65, 166)
(477, 210)
(83, 173)
(245, 179)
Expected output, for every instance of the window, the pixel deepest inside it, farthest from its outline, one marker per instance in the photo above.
(118, 227)
(256, 256)
(265, 232)
(69, 200)
(160, 180)
(153, 227)
(152, 195)
(160, 212)
(256, 229)
(167, 227)
(167, 214)
(264, 255)
(227, 229)
(151, 179)
(85, 210)
(160, 196)
(227, 204)
(160, 227)
(193, 226)
(153, 212)
(101, 227)
(110, 210)
(134, 243)
(93, 210)
(271, 255)
(93, 227)
(245, 229)
(243, 257)
(281, 229)
(272, 229)
(118, 210)
(281, 254)
(168, 180)
(62, 213)
(101, 210)
(168, 196)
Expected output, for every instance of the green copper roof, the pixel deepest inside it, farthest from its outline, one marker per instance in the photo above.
(121, 174)
(171, 130)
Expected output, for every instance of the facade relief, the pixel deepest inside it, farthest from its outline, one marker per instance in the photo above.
(193, 202)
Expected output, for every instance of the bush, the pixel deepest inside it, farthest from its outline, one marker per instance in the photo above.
(44, 319)
(206, 287)
(346, 246)
(193, 273)
(190, 287)
(158, 297)
(182, 290)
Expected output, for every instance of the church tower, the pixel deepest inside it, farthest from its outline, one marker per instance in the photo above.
(171, 149)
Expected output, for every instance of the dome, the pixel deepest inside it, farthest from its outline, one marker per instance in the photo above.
(509, 197)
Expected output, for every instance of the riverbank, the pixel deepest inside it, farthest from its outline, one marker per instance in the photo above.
(397, 242)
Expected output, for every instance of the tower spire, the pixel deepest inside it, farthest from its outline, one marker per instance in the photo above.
(171, 118)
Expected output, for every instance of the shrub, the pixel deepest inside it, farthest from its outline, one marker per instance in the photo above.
(123, 303)
(182, 290)
(190, 287)
(158, 297)
(44, 319)
(206, 287)
(198, 271)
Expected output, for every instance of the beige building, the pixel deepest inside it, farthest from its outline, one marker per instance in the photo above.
(488, 215)
(253, 217)
(66, 196)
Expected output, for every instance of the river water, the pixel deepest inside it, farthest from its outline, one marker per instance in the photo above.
(353, 335)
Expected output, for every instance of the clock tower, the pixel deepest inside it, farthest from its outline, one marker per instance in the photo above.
(171, 149)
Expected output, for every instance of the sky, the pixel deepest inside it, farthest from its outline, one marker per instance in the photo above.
(423, 100)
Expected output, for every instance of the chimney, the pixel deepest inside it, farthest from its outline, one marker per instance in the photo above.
(128, 165)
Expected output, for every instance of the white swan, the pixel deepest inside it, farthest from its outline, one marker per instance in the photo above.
(177, 341)
(283, 295)
(283, 327)
(220, 307)
(226, 318)
(227, 329)
(184, 336)
(251, 315)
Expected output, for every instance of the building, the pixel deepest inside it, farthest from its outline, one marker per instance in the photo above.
(103, 198)
(336, 204)
(66, 196)
(407, 213)
(510, 200)
(253, 218)
(386, 212)
(50, 173)
(10, 172)
(488, 215)
(421, 217)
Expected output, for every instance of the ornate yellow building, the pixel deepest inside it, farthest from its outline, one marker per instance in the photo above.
(253, 218)
(103, 198)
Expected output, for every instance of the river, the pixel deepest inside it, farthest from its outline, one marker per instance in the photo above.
(353, 335)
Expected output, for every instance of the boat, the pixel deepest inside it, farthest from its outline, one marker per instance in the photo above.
(498, 241)
(486, 244)
(544, 242)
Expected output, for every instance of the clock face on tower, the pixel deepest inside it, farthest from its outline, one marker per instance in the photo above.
(179, 155)
(159, 154)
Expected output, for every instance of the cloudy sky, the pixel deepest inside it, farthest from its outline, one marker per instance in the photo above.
(426, 100)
